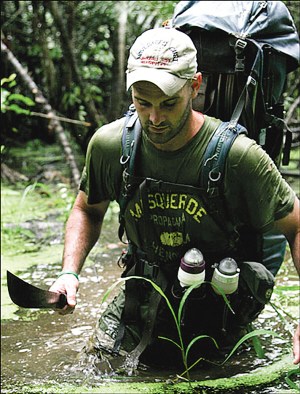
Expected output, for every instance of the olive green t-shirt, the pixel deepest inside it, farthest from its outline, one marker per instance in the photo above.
(171, 220)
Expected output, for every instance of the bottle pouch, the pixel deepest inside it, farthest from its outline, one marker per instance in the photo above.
(259, 280)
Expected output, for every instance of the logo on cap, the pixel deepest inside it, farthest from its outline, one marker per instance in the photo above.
(162, 56)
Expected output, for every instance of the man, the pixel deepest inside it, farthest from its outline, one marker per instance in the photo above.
(166, 214)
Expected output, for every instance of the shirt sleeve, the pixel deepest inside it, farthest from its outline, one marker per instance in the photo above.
(257, 193)
(101, 176)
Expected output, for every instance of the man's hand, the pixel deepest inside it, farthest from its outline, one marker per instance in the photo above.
(68, 285)
(296, 345)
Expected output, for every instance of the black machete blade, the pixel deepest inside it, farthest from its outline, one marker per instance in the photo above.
(28, 296)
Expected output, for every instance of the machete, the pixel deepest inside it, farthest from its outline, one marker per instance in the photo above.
(28, 296)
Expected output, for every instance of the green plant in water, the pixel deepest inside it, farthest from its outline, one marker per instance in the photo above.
(290, 382)
(177, 319)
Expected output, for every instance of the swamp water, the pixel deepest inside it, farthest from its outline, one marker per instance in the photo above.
(40, 349)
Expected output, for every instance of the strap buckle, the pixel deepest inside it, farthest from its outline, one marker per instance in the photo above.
(239, 47)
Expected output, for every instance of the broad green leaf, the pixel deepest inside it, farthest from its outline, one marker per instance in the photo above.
(258, 347)
(248, 336)
(183, 300)
(171, 340)
(197, 339)
(9, 79)
(291, 373)
(223, 295)
(15, 108)
(20, 97)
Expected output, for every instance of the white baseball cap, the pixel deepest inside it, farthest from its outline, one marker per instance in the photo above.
(164, 56)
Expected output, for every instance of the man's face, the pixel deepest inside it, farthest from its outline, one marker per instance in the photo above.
(163, 118)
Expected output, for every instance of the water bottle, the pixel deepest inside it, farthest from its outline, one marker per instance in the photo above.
(226, 276)
(192, 269)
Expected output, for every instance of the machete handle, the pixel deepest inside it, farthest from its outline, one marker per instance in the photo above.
(62, 302)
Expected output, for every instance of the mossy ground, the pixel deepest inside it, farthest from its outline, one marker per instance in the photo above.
(234, 384)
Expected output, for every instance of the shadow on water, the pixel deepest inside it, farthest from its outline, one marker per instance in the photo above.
(42, 346)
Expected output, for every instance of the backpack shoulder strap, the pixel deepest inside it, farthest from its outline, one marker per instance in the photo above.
(213, 170)
(131, 132)
(130, 143)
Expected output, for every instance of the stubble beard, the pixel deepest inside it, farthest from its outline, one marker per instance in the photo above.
(168, 135)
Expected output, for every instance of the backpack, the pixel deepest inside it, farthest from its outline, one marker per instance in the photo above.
(245, 49)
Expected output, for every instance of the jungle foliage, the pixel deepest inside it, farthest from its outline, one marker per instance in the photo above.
(76, 53)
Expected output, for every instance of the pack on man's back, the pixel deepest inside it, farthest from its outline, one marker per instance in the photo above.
(245, 49)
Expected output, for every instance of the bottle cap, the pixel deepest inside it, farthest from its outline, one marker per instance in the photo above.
(193, 262)
(228, 266)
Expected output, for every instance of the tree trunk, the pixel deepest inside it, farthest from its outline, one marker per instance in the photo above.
(38, 27)
(54, 124)
(120, 62)
(67, 47)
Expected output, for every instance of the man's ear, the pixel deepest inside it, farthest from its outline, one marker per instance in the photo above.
(196, 83)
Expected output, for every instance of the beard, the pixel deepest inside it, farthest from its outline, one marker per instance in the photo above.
(169, 130)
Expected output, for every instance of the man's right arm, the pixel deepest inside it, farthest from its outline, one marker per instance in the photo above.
(82, 232)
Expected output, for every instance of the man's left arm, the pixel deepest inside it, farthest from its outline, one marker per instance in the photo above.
(290, 227)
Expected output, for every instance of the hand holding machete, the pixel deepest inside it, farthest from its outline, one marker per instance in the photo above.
(68, 285)
(28, 296)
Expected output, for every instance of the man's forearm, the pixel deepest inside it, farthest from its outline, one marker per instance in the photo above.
(82, 232)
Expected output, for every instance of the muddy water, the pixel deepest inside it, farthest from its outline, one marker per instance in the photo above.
(39, 347)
